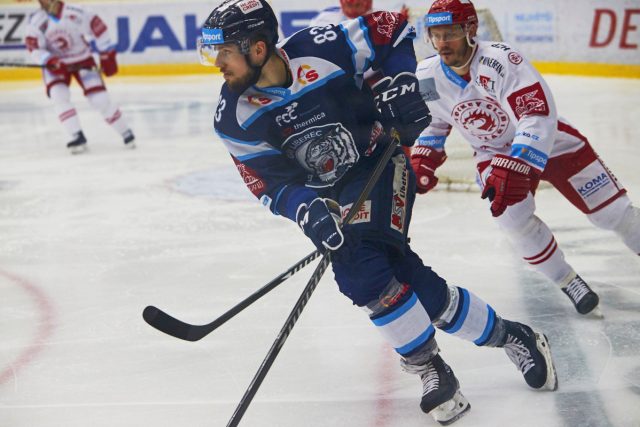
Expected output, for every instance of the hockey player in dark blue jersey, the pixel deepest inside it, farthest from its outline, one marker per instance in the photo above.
(305, 132)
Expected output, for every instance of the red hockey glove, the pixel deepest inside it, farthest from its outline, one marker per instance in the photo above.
(508, 183)
(56, 66)
(108, 63)
(425, 161)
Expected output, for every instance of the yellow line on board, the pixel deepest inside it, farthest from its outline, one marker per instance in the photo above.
(569, 68)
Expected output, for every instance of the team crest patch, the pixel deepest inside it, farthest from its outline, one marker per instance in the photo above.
(529, 101)
(482, 118)
(325, 152)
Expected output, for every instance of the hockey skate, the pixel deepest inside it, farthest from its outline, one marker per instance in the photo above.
(441, 396)
(583, 298)
(530, 352)
(78, 145)
(129, 139)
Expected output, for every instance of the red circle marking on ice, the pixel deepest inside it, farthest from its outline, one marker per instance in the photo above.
(45, 326)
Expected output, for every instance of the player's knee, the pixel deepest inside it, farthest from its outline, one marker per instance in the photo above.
(611, 216)
(401, 318)
(430, 288)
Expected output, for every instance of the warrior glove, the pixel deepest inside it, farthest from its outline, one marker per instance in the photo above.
(508, 183)
(401, 106)
(56, 66)
(108, 63)
(320, 221)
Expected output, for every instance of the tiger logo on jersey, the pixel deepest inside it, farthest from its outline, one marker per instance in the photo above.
(326, 152)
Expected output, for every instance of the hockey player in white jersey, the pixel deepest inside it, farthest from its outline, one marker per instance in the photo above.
(306, 132)
(502, 106)
(58, 37)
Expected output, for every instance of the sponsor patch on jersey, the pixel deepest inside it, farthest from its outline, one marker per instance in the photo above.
(399, 200)
(250, 177)
(529, 101)
(492, 63)
(515, 58)
(249, 6)
(305, 74)
(482, 118)
(487, 83)
(595, 184)
(98, 27)
(363, 215)
(428, 89)
(501, 46)
(326, 152)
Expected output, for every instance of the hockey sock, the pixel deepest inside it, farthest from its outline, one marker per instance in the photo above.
(401, 318)
(111, 113)
(67, 114)
(535, 243)
(467, 316)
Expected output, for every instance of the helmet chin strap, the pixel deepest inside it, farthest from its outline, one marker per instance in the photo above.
(471, 43)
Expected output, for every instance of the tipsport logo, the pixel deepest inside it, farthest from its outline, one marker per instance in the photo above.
(442, 18)
(212, 36)
(306, 74)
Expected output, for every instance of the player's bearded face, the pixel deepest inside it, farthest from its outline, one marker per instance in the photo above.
(451, 44)
(237, 73)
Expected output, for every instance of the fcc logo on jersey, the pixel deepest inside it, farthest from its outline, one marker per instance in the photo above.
(326, 152)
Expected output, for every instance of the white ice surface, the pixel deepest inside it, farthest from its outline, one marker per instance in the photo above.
(86, 242)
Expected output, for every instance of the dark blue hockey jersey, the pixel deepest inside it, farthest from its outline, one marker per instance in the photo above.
(291, 143)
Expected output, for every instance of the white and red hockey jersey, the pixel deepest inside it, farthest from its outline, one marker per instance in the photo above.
(66, 35)
(505, 108)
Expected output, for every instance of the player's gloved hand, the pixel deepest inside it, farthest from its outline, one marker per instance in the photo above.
(56, 66)
(320, 221)
(401, 106)
(425, 161)
(108, 62)
(508, 183)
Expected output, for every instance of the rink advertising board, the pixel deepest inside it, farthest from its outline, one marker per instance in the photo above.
(599, 37)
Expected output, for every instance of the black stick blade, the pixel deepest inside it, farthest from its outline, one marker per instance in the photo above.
(172, 326)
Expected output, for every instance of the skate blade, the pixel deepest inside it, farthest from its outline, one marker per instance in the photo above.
(78, 149)
(451, 410)
(130, 146)
(596, 313)
(552, 378)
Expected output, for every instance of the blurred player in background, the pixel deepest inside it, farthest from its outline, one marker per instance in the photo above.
(504, 109)
(58, 37)
(349, 9)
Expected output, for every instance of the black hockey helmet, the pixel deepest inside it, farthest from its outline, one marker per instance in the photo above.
(236, 21)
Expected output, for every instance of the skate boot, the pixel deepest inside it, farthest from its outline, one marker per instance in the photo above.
(129, 139)
(79, 144)
(441, 396)
(530, 352)
(582, 297)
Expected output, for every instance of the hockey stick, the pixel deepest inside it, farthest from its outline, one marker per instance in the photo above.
(19, 65)
(185, 331)
(170, 325)
(308, 290)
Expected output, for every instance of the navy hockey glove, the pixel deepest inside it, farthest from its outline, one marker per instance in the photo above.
(320, 221)
(401, 106)
(508, 183)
